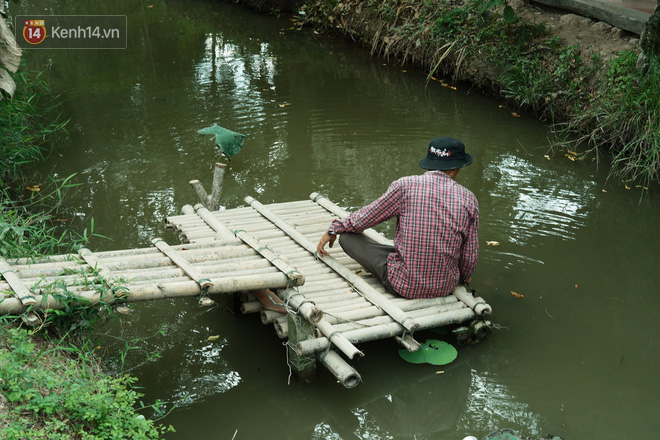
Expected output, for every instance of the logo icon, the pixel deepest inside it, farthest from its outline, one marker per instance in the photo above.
(34, 31)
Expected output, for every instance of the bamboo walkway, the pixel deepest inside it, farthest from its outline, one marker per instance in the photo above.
(266, 255)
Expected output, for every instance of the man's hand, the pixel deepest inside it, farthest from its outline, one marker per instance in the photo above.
(327, 238)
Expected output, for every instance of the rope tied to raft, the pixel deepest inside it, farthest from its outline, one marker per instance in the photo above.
(290, 278)
(202, 281)
(288, 300)
(330, 336)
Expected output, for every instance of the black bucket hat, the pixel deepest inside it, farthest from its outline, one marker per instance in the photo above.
(445, 153)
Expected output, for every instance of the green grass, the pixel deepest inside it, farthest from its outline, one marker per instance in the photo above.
(59, 392)
(51, 384)
(625, 115)
(28, 121)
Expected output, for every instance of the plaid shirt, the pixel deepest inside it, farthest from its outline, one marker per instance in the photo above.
(436, 243)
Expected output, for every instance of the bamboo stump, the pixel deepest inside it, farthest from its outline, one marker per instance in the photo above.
(303, 366)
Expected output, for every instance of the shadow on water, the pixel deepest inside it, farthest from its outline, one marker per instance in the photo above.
(576, 357)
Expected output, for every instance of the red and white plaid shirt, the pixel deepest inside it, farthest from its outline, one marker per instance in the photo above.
(436, 238)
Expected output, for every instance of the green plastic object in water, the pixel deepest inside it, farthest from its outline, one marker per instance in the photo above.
(229, 141)
(432, 352)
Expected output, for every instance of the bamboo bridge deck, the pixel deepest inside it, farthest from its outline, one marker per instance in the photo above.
(267, 254)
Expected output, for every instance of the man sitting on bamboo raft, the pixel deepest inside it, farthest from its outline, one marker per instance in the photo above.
(435, 243)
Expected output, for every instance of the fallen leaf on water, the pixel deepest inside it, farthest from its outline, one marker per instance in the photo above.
(492, 243)
(517, 295)
(213, 338)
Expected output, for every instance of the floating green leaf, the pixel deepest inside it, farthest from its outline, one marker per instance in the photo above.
(229, 141)
(432, 352)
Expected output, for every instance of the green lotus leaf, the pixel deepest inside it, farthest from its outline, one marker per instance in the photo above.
(432, 352)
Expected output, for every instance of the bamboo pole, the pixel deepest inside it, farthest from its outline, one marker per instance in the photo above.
(299, 302)
(373, 321)
(252, 307)
(216, 189)
(154, 291)
(23, 295)
(386, 330)
(121, 254)
(478, 305)
(187, 210)
(199, 190)
(282, 329)
(339, 313)
(104, 273)
(315, 316)
(269, 316)
(182, 263)
(148, 274)
(370, 293)
(345, 374)
(296, 277)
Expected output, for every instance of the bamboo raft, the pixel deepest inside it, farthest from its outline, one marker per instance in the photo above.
(339, 305)
(266, 255)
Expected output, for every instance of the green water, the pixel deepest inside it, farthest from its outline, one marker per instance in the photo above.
(576, 357)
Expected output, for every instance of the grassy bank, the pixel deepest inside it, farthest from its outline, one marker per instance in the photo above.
(596, 105)
(52, 385)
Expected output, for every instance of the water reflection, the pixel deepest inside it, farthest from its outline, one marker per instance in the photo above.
(492, 406)
(432, 405)
(453, 401)
(522, 210)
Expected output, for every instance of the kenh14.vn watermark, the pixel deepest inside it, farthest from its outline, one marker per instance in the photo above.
(71, 31)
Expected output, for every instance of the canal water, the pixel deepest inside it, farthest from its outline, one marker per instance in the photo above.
(575, 354)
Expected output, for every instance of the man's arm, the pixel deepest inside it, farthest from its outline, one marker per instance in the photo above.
(326, 238)
(384, 208)
(470, 249)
